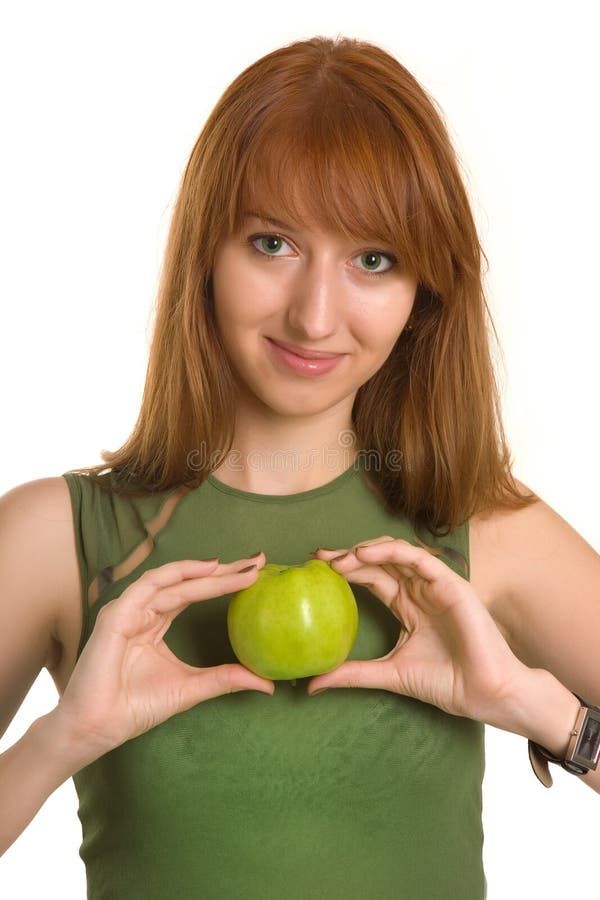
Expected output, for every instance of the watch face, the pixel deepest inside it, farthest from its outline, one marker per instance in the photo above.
(588, 749)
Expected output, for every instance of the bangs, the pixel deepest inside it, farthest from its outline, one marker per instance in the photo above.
(341, 169)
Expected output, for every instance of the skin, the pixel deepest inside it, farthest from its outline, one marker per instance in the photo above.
(509, 647)
(316, 292)
(494, 649)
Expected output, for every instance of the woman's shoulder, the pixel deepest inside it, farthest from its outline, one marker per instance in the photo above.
(526, 563)
(493, 537)
(50, 493)
(39, 576)
(36, 529)
(36, 509)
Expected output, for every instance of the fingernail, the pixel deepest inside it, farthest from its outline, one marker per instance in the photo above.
(247, 569)
(318, 691)
(341, 556)
(210, 559)
(252, 555)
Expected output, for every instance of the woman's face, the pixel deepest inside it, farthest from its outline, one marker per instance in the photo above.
(306, 316)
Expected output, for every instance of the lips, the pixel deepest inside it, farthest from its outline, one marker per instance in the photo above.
(302, 361)
(304, 352)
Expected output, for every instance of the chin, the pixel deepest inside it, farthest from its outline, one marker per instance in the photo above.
(296, 396)
(305, 401)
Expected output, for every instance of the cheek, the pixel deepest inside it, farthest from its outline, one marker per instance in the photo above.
(378, 329)
(241, 298)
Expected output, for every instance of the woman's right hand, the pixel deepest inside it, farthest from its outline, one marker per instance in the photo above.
(127, 680)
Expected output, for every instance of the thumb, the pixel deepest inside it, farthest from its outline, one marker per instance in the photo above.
(369, 673)
(204, 684)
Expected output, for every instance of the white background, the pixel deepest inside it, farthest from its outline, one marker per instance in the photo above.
(101, 106)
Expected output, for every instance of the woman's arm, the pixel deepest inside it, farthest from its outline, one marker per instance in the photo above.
(126, 679)
(32, 769)
(540, 581)
(39, 578)
(455, 649)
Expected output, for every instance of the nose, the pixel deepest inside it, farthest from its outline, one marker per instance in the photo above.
(314, 306)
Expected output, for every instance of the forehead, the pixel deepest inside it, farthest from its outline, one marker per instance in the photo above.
(300, 194)
(306, 230)
(332, 170)
(287, 192)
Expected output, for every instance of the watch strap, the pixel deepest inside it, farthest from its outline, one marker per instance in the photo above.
(539, 757)
(539, 763)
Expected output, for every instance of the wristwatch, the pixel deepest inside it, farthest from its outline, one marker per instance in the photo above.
(583, 751)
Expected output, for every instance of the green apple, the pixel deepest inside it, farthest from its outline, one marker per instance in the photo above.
(294, 621)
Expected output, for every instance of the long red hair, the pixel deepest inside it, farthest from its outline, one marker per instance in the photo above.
(336, 131)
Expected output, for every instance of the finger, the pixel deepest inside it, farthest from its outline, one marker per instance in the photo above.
(371, 673)
(377, 579)
(350, 563)
(174, 572)
(392, 584)
(378, 540)
(429, 582)
(176, 598)
(138, 593)
(413, 559)
(326, 553)
(172, 587)
(204, 684)
(257, 560)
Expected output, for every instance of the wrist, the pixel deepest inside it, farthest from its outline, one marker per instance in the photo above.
(543, 710)
(71, 749)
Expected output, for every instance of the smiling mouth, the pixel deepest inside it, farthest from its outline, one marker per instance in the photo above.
(303, 352)
(295, 362)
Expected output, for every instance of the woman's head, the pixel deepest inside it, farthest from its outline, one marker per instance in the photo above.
(282, 285)
(337, 134)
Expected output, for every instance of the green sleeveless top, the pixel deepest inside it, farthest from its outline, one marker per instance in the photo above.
(352, 794)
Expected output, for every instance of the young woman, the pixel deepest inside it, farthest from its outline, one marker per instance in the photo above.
(319, 382)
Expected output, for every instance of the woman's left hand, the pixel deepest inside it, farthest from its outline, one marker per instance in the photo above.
(450, 652)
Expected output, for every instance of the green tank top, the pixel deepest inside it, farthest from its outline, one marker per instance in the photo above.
(353, 794)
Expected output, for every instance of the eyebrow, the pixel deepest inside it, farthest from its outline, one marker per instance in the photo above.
(284, 226)
(255, 214)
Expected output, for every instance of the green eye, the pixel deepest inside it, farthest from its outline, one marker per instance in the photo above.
(270, 243)
(372, 261)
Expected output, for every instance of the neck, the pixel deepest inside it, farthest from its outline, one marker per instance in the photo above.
(288, 456)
